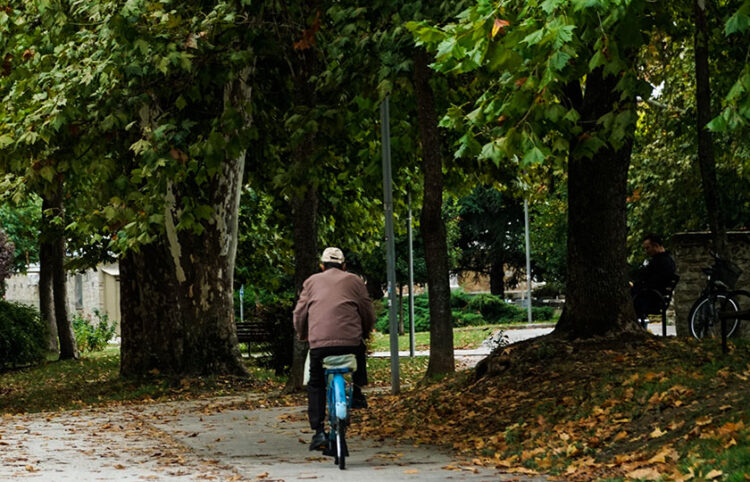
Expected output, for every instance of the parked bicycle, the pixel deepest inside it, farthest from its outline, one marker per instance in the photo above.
(718, 302)
(339, 396)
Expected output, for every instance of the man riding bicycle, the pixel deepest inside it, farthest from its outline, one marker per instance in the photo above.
(334, 314)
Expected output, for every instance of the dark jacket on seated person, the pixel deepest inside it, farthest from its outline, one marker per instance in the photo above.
(657, 274)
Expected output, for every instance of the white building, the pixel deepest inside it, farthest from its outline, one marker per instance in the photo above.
(95, 289)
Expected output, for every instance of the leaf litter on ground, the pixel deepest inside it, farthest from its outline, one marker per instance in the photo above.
(631, 407)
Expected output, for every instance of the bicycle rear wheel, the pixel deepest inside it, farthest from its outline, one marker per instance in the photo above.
(341, 449)
(704, 316)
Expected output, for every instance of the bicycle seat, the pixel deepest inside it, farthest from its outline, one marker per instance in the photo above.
(343, 363)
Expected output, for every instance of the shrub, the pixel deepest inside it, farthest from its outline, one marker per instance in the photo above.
(23, 335)
(467, 318)
(93, 334)
(495, 310)
(459, 299)
(543, 313)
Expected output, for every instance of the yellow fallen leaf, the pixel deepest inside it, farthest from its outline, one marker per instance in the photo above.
(262, 476)
(645, 474)
(411, 471)
(31, 468)
(656, 433)
(714, 474)
(621, 435)
(730, 443)
(701, 421)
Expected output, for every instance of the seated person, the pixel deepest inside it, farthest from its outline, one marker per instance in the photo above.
(656, 274)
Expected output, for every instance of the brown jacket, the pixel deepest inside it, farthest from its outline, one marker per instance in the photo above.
(333, 310)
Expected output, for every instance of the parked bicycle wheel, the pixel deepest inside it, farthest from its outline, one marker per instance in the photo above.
(704, 316)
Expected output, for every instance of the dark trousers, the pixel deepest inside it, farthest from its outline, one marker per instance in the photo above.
(645, 302)
(316, 386)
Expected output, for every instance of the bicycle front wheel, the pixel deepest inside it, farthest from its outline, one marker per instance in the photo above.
(704, 316)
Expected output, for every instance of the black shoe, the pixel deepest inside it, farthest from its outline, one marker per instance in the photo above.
(319, 441)
(359, 402)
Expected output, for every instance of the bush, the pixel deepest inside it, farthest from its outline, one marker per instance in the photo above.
(93, 334)
(467, 318)
(459, 299)
(495, 310)
(23, 335)
(543, 313)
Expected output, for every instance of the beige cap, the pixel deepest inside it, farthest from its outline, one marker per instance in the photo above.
(332, 255)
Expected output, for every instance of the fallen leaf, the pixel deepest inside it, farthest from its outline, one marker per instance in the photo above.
(703, 421)
(714, 474)
(119, 467)
(262, 476)
(656, 433)
(645, 474)
(411, 471)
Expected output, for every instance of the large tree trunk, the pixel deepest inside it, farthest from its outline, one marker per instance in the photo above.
(54, 240)
(433, 228)
(46, 307)
(706, 158)
(177, 292)
(597, 299)
(305, 232)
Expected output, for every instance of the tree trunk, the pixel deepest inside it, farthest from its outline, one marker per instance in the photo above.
(54, 239)
(177, 292)
(305, 219)
(706, 158)
(46, 306)
(597, 299)
(497, 277)
(433, 228)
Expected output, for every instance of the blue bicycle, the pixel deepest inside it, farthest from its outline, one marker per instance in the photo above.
(339, 395)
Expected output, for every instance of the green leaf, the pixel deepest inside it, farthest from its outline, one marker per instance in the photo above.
(534, 37)
(491, 151)
(737, 23)
(559, 60)
(532, 157)
(48, 173)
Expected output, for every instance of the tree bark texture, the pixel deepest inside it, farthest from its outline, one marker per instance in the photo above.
(177, 298)
(433, 228)
(706, 159)
(55, 237)
(46, 253)
(306, 260)
(597, 298)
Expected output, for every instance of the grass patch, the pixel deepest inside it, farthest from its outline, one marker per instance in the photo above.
(94, 380)
(465, 338)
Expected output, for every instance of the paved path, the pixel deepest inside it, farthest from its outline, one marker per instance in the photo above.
(205, 440)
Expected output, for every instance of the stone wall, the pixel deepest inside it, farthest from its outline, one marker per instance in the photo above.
(691, 253)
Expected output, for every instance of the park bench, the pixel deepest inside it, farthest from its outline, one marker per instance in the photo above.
(664, 300)
(254, 331)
